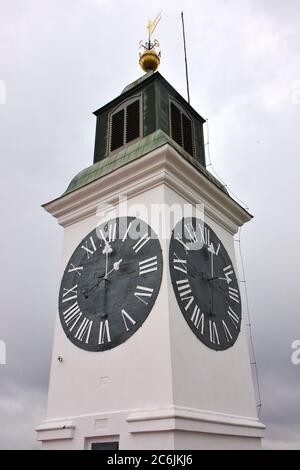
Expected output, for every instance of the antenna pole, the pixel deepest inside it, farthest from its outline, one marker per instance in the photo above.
(185, 58)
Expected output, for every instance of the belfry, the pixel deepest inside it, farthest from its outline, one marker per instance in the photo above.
(150, 348)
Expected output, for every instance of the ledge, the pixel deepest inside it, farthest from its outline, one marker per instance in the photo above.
(55, 430)
(194, 420)
(164, 165)
(137, 150)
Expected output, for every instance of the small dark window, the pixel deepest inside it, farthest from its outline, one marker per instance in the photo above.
(133, 121)
(181, 129)
(105, 446)
(187, 134)
(176, 124)
(125, 125)
(117, 130)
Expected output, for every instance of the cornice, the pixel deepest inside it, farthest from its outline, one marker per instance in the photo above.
(188, 419)
(161, 166)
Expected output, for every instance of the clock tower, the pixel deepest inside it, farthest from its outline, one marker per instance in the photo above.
(150, 349)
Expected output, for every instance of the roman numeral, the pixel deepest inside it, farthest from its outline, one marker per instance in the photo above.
(148, 265)
(227, 272)
(104, 333)
(218, 249)
(205, 234)
(227, 332)
(71, 291)
(72, 315)
(182, 243)
(191, 231)
(198, 319)
(184, 289)
(234, 317)
(179, 264)
(127, 232)
(234, 294)
(142, 292)
(75, 269)
(126, 317)
(142, 242)
(110, 233)
(213, 333)
(89, 250)
(84, 330)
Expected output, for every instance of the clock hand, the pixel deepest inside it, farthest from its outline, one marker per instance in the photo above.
(106, 260)
(103, 313)
(86, 292)
(116, 267)
(212, 303)
(107, 250)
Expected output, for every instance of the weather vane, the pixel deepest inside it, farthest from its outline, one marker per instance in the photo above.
(150, 59)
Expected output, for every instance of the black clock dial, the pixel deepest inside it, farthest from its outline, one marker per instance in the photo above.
(110, 284)
(205, 284)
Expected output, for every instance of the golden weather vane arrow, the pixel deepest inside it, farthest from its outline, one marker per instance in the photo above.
(150, 59)
(152, 25)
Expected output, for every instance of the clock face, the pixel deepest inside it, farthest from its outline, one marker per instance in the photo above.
(205, 284)
(110, 284)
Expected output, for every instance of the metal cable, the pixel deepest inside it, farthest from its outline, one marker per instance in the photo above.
(249, 324)
(244, 282)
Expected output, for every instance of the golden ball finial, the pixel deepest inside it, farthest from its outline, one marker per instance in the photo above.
(149, 60)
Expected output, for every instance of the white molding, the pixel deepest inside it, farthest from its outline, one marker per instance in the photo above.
(161, 166)
(54, 430)
(194, 420)
(172, 418)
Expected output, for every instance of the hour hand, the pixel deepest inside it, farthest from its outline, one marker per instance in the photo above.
(116, 267)
(102, 309)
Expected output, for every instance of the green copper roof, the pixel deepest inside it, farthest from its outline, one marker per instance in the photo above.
(137, 82)
(127, 155)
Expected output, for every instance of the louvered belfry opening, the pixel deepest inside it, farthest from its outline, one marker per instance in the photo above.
(117, 130)
(133, 121)
(176, 133)
(125, 125)
(181, 129)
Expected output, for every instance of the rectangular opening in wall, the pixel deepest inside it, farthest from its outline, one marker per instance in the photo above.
(181, 126)
(133, 121)
(176, 124)
(117, 130)
(187, 134)
(105, 446)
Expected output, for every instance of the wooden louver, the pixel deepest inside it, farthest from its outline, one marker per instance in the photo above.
(181, 129)
(133, 121)
(117, 130)
(125, 125)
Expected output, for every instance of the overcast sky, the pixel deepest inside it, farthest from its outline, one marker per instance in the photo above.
(62, 59)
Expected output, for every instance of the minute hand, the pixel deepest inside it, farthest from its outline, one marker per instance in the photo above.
(220, 278)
